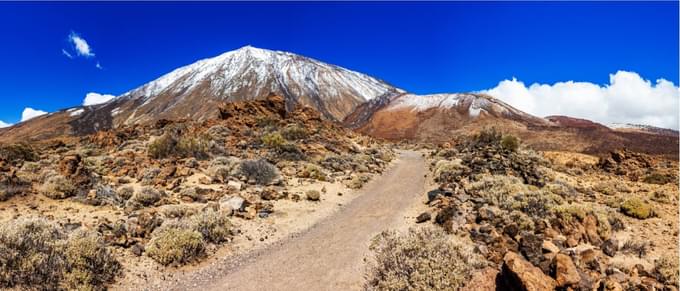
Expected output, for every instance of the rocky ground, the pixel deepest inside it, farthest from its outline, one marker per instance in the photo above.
(156, 198)
(555, 220)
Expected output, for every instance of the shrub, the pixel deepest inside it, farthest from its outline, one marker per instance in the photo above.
(169, 144)
(175, 245)
(221, 168)
(497, 189)
(448, 171)
(357, 181)
(58, 187)
(213, 225)
(666, 270)
(294, 132)
(17, 152)
(635, 207)
(89, 263)
(259, 170)
(510, 143)
(29, 254)
(147, 196)
(657, 178)
(423, 259)
(313, 195)
(125, 192)
(662, 196)
(35, 254)
(486, 137)
(290, 152)
(638, 248)
(273, 140)
(570, 212)
(314, 172)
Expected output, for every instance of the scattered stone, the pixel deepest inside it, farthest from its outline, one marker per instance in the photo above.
(610, 247)
(423, 217)
(566, 273)
(519, 274)
(313, 195)
(233, 185)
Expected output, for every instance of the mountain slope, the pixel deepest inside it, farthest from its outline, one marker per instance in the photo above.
(195, 91)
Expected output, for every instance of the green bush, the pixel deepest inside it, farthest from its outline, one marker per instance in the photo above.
(175, 245)
(273, 140)
(635, 207)
(422, 259)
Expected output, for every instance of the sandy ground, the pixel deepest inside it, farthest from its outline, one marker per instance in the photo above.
(329, 254)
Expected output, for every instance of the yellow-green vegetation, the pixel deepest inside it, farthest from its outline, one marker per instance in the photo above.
(273, 140)
(35, 254)
(168, 145)
(17, 152)
(421, 259)
(571, 211)
(213, 225)
(90, 264)
(57, 187)
(314, 172)
(510, 143)
(497, 189)
(175, 245)
(450, 168)
(636, 207)
(294, 132)
(657, 178)
(357, 181)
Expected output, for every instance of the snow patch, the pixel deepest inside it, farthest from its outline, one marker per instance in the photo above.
(76, 112)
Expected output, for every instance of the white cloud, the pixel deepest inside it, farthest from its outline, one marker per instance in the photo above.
(99, 66)
(628, 98)
(96, 98)
(81, 45)
(67, 54)
(29, 113)
(4, 124)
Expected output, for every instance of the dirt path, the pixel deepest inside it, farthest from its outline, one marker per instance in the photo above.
(329, 256)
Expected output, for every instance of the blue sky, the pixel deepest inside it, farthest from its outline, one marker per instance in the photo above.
(420, 47)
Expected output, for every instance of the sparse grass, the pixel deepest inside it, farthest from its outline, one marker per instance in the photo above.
(261, 171)
(421, 259)
(637, 208)
(638, 248)
(175, 245)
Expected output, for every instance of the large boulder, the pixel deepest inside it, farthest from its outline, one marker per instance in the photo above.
(518, 274)
(566, 273)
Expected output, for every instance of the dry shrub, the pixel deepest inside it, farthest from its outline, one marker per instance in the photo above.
(314, 172)
(294, 132)
(273, 140)
(171, 144)
(147, 196)
(421, 259)
(175, 244)
(666, 269)
(35, 254)
(261, 171)
(213, 225)
(636, 247)
(510, 143)
(17, 152)
(90, 264)
(57, 187)
(357, 181)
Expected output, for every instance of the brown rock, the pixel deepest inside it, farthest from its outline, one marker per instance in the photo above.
(590, 225)
(425, 216)
(518, 274)
(483, 280)
(550, 247)
(565, 271)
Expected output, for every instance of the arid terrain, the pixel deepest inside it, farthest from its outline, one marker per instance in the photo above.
(264, 170)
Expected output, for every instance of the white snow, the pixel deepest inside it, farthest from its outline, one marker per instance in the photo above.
(424, 102)
(76, 112)
(250, 67)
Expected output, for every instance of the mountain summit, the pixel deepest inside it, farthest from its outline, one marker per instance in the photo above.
(195, 91)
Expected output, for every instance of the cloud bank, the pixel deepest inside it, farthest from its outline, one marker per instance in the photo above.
(628, 98)
(80, 44)
(29, 113)
(4, 124)
(93, 98)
